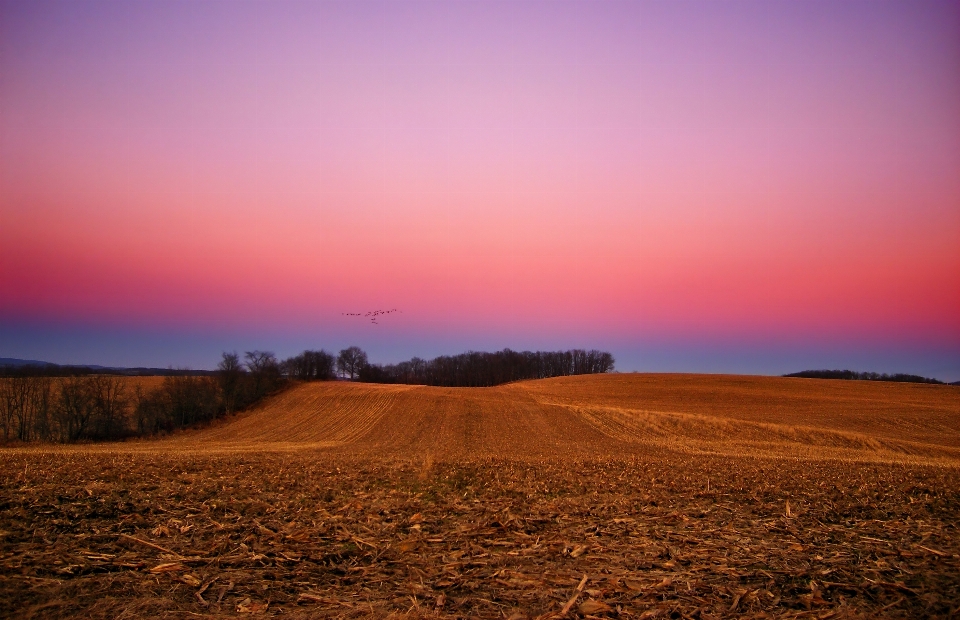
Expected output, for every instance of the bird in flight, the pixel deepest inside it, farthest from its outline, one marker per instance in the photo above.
(372, 314)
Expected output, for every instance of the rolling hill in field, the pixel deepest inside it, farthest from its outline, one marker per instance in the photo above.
(609, 415)
(595, 496)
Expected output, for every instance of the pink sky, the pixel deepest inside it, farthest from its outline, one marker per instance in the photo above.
(562, 174)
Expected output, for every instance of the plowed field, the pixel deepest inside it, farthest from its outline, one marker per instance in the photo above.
(633, 496)
(608, 415)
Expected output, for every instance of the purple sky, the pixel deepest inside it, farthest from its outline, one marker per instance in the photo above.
(695, 186)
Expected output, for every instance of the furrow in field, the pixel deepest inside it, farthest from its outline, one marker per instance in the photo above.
(925, 414)
(730, 436)
(451, 423)
(317, 413)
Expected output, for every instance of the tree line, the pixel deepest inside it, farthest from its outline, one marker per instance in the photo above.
(58, 407)
(481, 369)
(61, 409)
(80, 403)
(68, 404)
(862, 376)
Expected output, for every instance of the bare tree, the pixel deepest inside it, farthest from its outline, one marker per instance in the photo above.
(265, 371)
(141, 409)
(351, 361)
(8, 408)
(230, 362)
(75, 407)
(41, 403)
(259, 361)
(110, 406)
(230, 380)
(310, 366)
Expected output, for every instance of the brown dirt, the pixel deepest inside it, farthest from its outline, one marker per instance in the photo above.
(602, 415)
(674, 496)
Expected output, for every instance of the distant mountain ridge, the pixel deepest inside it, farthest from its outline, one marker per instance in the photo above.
(16, 366)
(13, 361)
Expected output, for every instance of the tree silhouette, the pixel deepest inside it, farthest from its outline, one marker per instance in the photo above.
(351, 362)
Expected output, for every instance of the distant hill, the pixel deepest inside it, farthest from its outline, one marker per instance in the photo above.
(12, 361)
(863, 376)
(11, 366)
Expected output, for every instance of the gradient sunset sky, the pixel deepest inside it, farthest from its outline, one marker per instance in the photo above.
(756, 187)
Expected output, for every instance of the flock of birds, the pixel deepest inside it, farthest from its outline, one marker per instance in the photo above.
(372, 315)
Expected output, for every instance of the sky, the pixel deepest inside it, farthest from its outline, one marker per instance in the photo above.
(749, 187)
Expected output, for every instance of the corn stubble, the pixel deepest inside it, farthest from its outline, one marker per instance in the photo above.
(614, 496)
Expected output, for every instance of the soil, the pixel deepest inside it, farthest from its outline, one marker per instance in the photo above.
(590, 521)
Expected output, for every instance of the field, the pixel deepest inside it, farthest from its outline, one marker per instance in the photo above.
(635, 496)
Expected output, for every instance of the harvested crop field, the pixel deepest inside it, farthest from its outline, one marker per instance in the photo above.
(635, 496)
